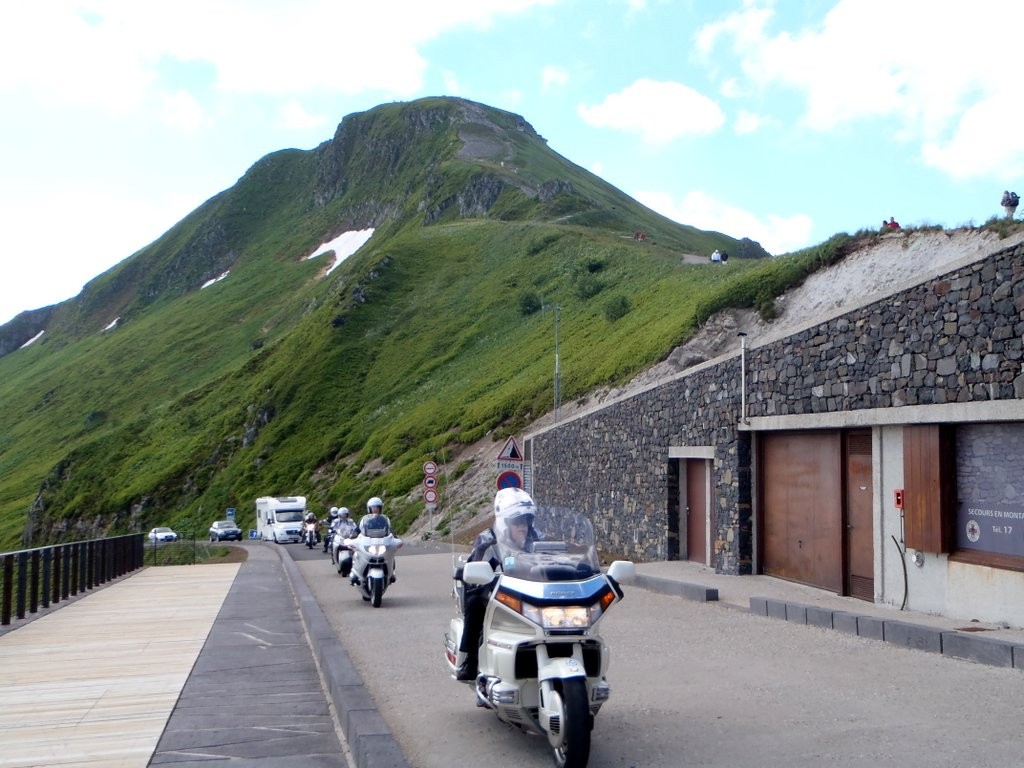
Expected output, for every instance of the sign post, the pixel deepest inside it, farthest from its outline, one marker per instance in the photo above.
(510, 465)
(430, 488)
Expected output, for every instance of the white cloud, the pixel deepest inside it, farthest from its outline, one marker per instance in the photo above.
(984, 142)
(109, 55)
(942, 75)
(182, 112)
(747, 122)
(95, 242)
(553, 77)
(659, 111)
(451, 83)
(52, 49)
(295, 116)
(776, 234)
(511, 99)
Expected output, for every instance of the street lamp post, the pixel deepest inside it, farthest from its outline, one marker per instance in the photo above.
(557, 309)
(558, 365)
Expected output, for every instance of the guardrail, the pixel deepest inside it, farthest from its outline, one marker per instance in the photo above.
(184, 550)
(31, 579)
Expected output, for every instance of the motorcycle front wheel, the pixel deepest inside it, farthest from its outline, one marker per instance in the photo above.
(376, 592)
(574, 749)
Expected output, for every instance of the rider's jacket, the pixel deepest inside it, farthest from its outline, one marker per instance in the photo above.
(344, 528)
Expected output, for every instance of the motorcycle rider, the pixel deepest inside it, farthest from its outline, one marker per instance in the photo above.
(329, 522)
(375, 517)
(513, 531)
(344, 527)
(377, 522)
(311, 520)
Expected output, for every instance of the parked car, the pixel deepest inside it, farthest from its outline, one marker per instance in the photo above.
(162, 534)
(225, 530)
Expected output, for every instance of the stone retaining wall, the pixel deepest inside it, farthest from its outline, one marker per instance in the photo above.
(953, 339)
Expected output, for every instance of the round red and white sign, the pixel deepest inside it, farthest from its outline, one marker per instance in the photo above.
(429, 468)
(430, 496)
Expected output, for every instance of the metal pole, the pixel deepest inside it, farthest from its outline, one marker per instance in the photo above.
(558, 365)
(743, 377)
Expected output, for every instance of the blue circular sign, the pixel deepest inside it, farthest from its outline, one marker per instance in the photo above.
(509, 479)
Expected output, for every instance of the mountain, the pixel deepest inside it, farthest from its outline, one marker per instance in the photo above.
(221, 362)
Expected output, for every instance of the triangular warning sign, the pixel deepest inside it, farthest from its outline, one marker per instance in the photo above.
(511, 451)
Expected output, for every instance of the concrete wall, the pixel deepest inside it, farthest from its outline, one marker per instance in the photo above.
(947, 350)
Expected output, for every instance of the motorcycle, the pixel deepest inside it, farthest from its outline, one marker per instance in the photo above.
(373, 562)
(542, 664)
(309, 534)
(328, 537)
(341, 553)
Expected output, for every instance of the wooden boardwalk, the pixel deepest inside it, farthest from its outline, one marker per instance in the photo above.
(94, 683)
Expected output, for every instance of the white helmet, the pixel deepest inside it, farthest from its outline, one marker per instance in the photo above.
(343, 511)
(513, 503)
(376, 501)
(334, 511)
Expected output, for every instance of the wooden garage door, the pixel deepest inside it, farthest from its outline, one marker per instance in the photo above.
(801, 510)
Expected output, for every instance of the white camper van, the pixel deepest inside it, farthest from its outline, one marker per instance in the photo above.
(279, 518)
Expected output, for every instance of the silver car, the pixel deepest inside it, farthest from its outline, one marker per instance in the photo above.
(162, 534)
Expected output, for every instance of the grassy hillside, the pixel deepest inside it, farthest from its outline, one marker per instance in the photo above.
(280, 380)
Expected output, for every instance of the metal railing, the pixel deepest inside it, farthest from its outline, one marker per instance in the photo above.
(185, 550)
(31, 579)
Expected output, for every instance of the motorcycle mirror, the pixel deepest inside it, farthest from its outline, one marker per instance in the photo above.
(623, 571)
(477, 573)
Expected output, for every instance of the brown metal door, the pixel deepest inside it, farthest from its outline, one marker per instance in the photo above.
(860, 565)
(696, 510)
(801, 482)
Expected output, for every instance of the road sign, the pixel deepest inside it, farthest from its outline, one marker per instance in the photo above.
(510, 452)
(509, 479)
(231, 513)
(429, 468)
(430, 496)
(430, 481)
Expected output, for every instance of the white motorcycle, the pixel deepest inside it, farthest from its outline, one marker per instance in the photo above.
(373, 562)
(341, 553)
(309, 534)
(542, 663)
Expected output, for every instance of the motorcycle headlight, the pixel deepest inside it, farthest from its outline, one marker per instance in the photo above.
(376, 549)
(555, 616)
(561, 616)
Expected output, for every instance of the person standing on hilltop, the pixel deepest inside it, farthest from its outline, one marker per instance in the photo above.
(1009, 203)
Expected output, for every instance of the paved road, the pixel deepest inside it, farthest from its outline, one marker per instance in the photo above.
(694, 684)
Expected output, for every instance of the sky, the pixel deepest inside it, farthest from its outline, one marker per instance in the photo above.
(783, 121)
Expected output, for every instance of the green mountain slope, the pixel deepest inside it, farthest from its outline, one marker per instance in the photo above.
(282, 378)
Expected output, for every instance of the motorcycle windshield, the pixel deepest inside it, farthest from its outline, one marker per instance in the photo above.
(558, 546)
(375, 530)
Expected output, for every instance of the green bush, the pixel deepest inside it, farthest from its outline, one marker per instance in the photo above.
(616, 307)
(529, 302)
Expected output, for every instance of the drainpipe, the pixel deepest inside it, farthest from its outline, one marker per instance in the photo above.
(743, 377)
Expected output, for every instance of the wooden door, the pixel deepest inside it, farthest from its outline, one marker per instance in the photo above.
(860, 564)
(696, 511)
(801, 507)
